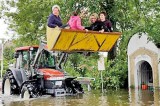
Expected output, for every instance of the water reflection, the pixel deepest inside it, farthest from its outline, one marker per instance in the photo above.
(131, 97)
(144, 97)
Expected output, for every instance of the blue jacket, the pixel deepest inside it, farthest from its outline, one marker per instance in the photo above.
(54, 21)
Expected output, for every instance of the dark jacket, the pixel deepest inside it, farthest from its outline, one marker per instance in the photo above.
(54, 21)
(97, 26)
(107, 26)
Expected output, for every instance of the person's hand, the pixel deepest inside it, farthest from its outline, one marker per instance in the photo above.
(67, 27)
(86, 30)
(101, 31)
(57, 27)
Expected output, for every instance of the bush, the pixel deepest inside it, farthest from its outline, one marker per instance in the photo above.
(114, 76)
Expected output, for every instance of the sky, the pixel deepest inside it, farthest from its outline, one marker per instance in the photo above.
(3, 29)
(3, 26)
(5, 34)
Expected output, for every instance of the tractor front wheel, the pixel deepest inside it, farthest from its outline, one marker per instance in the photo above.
(25, 93)
(29, 91)
(77, 86)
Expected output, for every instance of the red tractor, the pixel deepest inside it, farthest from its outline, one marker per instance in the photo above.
(37, 71)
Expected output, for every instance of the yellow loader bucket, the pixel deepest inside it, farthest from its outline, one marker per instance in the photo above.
(68, 40)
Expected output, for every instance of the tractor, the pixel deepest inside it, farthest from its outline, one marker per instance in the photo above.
(37, 72)
(38, 69)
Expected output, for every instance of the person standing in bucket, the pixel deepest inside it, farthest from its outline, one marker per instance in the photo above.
(75, 22)
(107, 23)
(54, 19)
(96, 25)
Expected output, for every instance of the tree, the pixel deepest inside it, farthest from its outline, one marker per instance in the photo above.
(29, 19)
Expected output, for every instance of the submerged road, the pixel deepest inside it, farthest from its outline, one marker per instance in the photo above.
(127, 97)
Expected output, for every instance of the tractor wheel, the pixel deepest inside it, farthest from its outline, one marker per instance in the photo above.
(25, 93)
(77, 86)
(29, 91)
(9, 84)
(69, 90)
(74, 87)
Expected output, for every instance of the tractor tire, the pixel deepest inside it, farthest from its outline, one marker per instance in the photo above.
(74, 87)
(25, 93)
(77, 86)
(69, 90)
(9, 84)
(29, 91)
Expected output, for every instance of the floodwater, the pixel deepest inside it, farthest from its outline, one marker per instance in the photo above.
(129, 97)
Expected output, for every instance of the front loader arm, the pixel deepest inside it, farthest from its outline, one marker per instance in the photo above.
(40, 49)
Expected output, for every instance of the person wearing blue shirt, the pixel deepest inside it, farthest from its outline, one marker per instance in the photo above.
(54, 18)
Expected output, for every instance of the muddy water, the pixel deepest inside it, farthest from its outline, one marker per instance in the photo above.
(93, 98)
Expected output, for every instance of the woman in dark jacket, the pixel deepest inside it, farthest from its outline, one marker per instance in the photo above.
(96, 25)
(54, 19)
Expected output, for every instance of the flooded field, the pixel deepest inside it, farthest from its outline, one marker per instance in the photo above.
(93, 98)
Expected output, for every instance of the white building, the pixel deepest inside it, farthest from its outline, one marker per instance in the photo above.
(143, 61)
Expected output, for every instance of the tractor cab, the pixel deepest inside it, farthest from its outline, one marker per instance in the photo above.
(46, 60)
(24, 57)
(37, 59)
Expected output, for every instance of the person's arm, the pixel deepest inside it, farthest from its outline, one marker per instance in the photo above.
(51, 22)
(109, 26)
(69, 22)
(101, 27)
(79, 26)
(89, 28)
(105, 27)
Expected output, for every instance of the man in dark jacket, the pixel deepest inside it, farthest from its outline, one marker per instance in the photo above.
(54, 19)
(107, 23)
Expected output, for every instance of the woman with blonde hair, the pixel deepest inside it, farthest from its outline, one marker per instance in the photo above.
(93, 18)
(96, 25)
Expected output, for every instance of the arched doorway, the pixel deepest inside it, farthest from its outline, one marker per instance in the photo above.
(144, 73)
(143, 55)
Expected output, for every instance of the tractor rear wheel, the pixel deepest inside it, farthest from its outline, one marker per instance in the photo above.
(9, 84)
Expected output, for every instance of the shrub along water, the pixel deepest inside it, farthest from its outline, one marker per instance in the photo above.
(114, 75)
